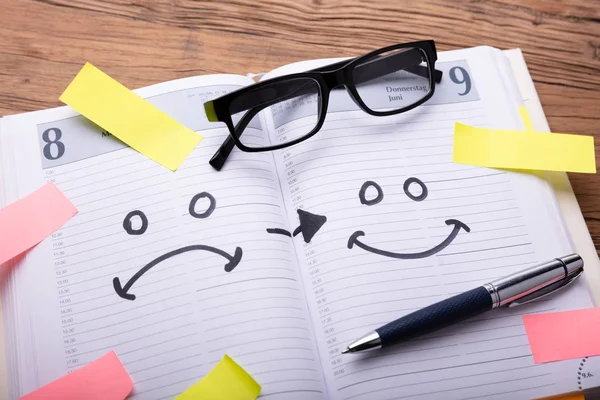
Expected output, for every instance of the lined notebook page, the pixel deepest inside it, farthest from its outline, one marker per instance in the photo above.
(188, 311)
(353, 291)
(256, 314)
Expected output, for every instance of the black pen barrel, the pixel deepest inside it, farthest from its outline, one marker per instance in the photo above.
(436, 316)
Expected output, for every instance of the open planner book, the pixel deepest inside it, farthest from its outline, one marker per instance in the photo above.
(287, 308)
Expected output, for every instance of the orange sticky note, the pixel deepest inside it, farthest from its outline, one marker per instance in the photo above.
(575, 396)
(563, 335)
(103, 379)
(28, 221)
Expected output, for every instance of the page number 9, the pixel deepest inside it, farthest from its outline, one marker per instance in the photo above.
(465, 78)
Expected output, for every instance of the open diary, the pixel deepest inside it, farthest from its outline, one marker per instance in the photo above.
(282, 258)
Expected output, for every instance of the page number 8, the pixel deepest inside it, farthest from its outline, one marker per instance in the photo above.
(465, 78)
(60, 146)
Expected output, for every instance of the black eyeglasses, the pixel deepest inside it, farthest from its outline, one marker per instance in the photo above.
(384, 82)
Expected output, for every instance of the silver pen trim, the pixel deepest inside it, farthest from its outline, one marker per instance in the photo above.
(535, 282)
(493, 294)
(370, 341)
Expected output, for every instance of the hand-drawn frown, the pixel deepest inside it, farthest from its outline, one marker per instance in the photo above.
(362, 194)
(232, 261)
(309, 226)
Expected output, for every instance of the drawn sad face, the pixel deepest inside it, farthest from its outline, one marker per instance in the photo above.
(136, 223)
(416, 190)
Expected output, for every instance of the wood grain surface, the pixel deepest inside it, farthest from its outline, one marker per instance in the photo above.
(44, 43)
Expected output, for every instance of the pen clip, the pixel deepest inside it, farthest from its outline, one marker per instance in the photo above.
(545, 291)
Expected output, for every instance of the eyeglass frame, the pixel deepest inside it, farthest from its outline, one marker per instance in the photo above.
(327, 78)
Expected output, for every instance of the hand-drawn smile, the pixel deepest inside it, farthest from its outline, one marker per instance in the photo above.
(232, 261)
(353, 240)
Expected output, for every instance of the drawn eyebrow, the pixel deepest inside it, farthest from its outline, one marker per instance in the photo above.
(363, 190)
(424, 191)
(128, 226)
(209, 210)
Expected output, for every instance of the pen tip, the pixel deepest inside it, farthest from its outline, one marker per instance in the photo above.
(346, 351)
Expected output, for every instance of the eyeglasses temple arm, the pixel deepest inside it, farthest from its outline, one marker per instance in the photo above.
(218, 159)
(387, 64)
(416, 69)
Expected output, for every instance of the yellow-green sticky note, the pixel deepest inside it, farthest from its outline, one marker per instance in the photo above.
(526, 120)
(226, 380)
(130, 118)
(513, 149)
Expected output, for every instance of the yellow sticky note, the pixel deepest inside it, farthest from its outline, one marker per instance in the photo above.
(513, 149)
(526, 120)
(130, 118)
(226, 380)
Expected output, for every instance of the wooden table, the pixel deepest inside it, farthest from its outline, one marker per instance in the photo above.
(44, 43)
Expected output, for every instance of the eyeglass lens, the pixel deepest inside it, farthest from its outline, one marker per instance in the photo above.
(296, 101)
(393, 80)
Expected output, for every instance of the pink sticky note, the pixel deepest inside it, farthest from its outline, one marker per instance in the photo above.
(103, 379)
(28, 221)
(563, 335)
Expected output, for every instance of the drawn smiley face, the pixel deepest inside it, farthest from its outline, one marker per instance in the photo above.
(136, 223)
(410, 182)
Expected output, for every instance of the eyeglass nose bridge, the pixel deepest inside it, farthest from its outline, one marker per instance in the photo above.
(334, 79)
(339, 78)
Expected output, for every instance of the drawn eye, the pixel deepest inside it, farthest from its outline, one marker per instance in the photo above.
(408, 189)
(362, 194)
(212, 203)
(133, 225)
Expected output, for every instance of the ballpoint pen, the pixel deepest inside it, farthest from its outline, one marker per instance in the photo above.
(513, 290)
